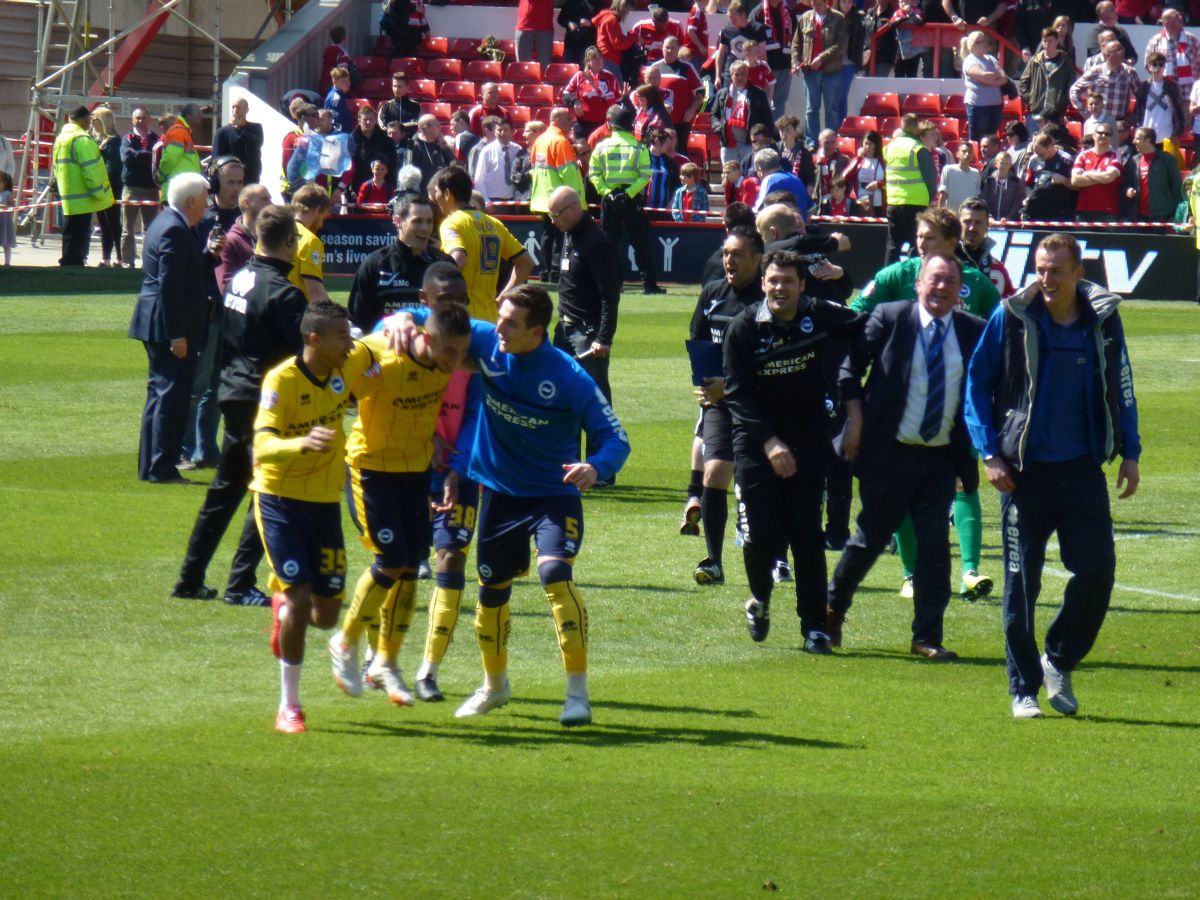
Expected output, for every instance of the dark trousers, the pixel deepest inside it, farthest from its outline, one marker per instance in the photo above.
(1072, 499)
(838, 488)
(229, 486)
(771, 510)
(682, 131)
(168, 391)
(109, 221)
(576, 338)
(552, 245)
(627, 217)
(902, 229)
(917, 481)
(982, 120)
(76, 239)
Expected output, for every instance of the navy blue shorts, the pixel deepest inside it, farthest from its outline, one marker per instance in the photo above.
(391, 511)
(506, 524)
(303, 542)
(453, 529)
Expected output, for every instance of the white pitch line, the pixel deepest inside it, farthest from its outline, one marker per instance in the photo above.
(1133, 589)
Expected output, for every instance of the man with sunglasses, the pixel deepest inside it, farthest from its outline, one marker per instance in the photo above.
(1096, 176)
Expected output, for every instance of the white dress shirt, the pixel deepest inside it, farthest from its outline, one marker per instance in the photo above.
(918, 385)
(492, 173)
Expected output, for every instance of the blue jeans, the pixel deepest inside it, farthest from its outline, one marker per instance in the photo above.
(848, 70)
(822, 90)
(783, 89)
(982, 120)
(204, 416)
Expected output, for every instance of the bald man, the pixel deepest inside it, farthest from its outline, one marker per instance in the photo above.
(554, 165)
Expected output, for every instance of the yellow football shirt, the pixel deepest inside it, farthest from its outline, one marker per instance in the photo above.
(486, 242)
(292, 403)
(399, 400)
(310, 258)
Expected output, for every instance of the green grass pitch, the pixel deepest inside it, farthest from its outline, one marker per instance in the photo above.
(137, 756)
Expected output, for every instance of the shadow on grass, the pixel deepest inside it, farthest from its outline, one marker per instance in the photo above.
(1118, 720)
(636, 494)
(78, 281)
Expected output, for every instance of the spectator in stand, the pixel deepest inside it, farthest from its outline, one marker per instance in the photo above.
(907, 17)
(488, 105)
(335, 56)
(1066, 35)
(768, 166)
(966, 14)
(611, 39)
(685, 85)
(488, 126)
(856, 29)
(104, 130)
(696, 31)
(1016, 135)
(1045, 85)
(760, 139)
(1123, 145)
(429, 151)
(779, 22)
(761, 75)
(375, 190)
(876, 19)
(369, 142)
(462, 138)
(818, 52)
(651, 33)
(664, 176)
(1030, 21)
(1003, 190)
(1096, 114)
(795, 155)
(989, 147)
(1153, 188)
(928, 132)
(137, 152)
(337, 101)
(837, 202)
(1161, 104)
(1115, 81)
(1096, 176)
(959, 182)
(590, 92)
(1136, 12)
(1098, 59)
(983, 79)
(731, 41)
(401, 108)
(404, 22)
(738, 107)
(868, 177)
(738, 188)
(522, 170)
(1106, 20)
(690, 203)
(649, 112)
(493, 172)
(1048, 178)
(398, 135)
(830, 163)
(535, 31)
(579, 33)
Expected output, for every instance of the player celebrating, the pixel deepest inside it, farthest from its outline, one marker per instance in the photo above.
(536, 401)
(387, 483)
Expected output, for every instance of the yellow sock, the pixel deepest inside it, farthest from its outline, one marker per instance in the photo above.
(492, 625)
(369, 596)
(570, 621)
(443, 617)
(395, 617)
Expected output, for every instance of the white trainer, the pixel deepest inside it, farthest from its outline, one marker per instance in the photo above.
(382, 675)
(484, 701)
(1058, 688)
(1026, 707)
(576, 711)
(347, 674)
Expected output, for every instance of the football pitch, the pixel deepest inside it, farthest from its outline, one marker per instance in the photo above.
(137, 756)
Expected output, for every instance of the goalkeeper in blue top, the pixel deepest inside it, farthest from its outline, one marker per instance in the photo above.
(536, 400)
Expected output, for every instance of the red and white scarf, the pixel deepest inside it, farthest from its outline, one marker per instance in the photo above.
(778, 41)
(1179, 59)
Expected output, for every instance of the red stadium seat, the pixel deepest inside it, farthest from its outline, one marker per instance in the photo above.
(559, 73)
(444, 69)
(433, 47)
(712, 144)
(413, 67)
(357, 103)
(465, 49)
(509, 48)
(950, 129)
(697, 149)
(557, 52)
(857, 126)
(702, 123)
(523, 73)
(927, 105)
(371, 66)
(880, 105)
(1013, 109)
(888, 126)
(519, 116)
(847, 146)
(376, 88)
(422, 89)
(1075, 129)
(535, 94)
(954, 106)
(441, 110)
(456, 92)
(481, 70)
(507, 93)
(542, 114)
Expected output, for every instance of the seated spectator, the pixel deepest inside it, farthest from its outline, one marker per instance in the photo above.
(337, 101)
(1096, 114)
(868, 177)
(653, 32)
(738, 188)
(1003, 190)
(1153, 188)
(768, 166)
(462, 137)
(493, 170)
(959, 182)
(488, 105)
(837, 202)
(690, 203)
(404, 22)
(1160, 103)
(1096, 177)
(830, 162)
(375, 190)
(401, 108)
(335, 56)
(590, 92)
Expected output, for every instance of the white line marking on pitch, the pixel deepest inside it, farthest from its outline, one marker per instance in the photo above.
(1133, 589)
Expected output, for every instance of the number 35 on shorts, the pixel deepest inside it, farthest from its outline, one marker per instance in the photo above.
(333, 561)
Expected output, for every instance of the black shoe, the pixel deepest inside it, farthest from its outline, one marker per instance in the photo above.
(201, 592)
(758, 620)
(817, 643)
(709, 572)
(251, 597)
(653, 289)
(427, 689)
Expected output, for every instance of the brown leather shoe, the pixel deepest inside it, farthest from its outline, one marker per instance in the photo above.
(933, 651)
(833, 626)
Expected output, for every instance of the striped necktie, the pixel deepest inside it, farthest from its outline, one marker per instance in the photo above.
(935, 398)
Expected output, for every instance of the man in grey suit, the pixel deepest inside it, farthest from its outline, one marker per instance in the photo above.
(171, 320)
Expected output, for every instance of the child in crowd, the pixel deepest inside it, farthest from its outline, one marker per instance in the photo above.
(690, 202)
(960, 182)
(8, 232)
(760, 73)
(375, 190)
(836, 202)
(737, 186)
(1097, 115)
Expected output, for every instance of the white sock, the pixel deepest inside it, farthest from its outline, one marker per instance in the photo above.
(495, 683)
(428, 670)
(289, 681)
(577, 685)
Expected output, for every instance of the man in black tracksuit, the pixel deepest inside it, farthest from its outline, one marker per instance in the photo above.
(775, 390)
(262, 328)
(389, 279)
(589, 288)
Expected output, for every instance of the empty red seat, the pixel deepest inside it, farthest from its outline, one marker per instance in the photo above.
(535, 94)
(371, 66)
(954, 106)
(523, 73)
(557, 52)
(888, 126)
(928, 105)
(880, 105)
(465, 49)
(1013, 109)
(847, 146)
(481, 70)
(857, 126)
(542, 114)
(456, 92)
(560, 73)
(519, 116)
(951, 129)
(697, 149)
(509, 48)
(433, 47)
(410, 65)
(422, 89)
(444, 69)
(376, 88)
(441, 110)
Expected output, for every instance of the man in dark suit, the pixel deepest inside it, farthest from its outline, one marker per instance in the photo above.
(905, 436)
(171, 320)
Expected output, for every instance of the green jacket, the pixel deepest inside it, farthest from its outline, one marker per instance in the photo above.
(554, 165)
(620, 162)
(79, 172)
(178, 154)
(899, 282)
